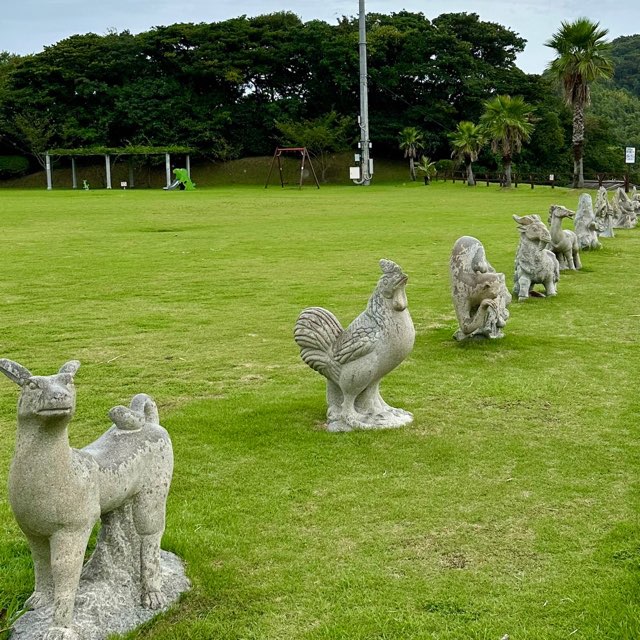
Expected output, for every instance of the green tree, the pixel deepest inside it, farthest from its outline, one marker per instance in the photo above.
(507, 123)
(411, 141)
(622, 109)
(549, 149)
(34, 132)
(583, 57)
(7, 63)
(467, 141)
(625, 53)
(434, 73)
(322, 136)
(220, 87)
(428, 168)
(603, 153)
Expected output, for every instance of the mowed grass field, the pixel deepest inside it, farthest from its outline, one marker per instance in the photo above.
(510, 505)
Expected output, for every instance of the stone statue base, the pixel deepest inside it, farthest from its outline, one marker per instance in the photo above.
(461, 336)
(108, 599)
(390, 419)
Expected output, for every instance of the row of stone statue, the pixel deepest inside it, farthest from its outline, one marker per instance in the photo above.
(356, 358)
(480, 297)
(58, 493)
(620, 213)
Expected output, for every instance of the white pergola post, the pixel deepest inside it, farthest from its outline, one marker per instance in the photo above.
(188, 163)
(107, 166)
(167, 165)
(74, 178)
(48, 168)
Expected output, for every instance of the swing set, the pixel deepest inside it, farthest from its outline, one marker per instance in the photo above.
(304, 157)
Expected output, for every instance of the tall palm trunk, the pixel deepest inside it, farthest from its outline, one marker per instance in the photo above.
(577, 141)
(506, 161)
(412, 168)
(471, 181)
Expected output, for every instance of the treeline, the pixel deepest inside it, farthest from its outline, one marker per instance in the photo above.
(220, 88)
(616, 102)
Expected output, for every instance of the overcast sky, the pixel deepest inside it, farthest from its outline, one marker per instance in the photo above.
(31, 25)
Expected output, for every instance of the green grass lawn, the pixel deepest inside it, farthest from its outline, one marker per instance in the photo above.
(510, 505)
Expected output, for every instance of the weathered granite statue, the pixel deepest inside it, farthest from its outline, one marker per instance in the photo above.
(585, 224)
(564, 242)
(354, 360)
(58, 493)
(534, 263)
(480, 296)
(604, 214)
(624, 211)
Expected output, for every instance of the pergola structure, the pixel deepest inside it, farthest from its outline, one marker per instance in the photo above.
(107, 152)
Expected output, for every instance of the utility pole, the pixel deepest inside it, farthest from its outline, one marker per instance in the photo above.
(365, 173)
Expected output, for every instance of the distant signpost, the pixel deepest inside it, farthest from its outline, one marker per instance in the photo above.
(629, 158)
(630, 155)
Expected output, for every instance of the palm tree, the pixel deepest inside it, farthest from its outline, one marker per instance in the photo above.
(506, 121)
(583, 56)
(428, 167)
(411, 141)
(467, 140)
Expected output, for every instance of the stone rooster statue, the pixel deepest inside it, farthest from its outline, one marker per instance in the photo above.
(354, 360)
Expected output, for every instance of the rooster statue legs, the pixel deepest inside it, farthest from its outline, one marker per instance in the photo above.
(354, 360)
(361, 409)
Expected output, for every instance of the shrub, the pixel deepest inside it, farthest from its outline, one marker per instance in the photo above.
(13, 166)
(446, 167)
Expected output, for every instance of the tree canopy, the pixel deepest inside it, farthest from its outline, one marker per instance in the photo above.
(225, 89)
(220, 87)
(625, 53)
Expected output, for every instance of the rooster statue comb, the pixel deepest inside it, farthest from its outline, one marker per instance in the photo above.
(389, 266)
(354, 360)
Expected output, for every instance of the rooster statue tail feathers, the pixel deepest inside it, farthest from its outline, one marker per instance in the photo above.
(316, 332)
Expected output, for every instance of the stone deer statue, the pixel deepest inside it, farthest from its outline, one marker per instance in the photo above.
(58, 493)
(354, 360)
(534, 263)
(564, 242)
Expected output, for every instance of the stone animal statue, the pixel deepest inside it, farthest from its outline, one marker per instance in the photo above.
(354, 360)
(564, 242)
(624, 211)
(480, 296)
(603, 214)
(534, 263)
(585, 224)
(58, 493)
